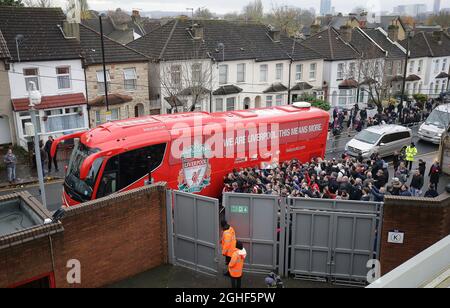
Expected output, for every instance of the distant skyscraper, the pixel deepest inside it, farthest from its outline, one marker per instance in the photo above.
(437, 6)
(325, 7)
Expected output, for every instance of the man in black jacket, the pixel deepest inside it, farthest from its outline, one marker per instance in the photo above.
(416, 184)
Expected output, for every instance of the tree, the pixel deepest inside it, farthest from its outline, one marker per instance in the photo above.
(254, 11)
(290, 19)
(11, 3)
(203, 13)
(39, 3)
(443, 20)
(187, 82)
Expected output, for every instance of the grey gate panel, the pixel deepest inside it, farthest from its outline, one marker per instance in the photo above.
(310, 244)
(256, 220)
(332, 238)
(196, 232)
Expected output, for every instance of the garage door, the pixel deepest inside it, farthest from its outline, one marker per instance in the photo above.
(5, 133)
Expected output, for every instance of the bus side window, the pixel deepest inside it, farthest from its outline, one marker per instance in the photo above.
(109, 182)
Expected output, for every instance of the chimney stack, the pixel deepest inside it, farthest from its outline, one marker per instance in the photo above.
(438, 36)
(393, 31)
(315, 28)
(197, 31)
(346, 33)
(71, 30)
(135, 14)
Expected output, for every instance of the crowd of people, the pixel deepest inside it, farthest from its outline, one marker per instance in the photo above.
(342, 179)
(357, 118)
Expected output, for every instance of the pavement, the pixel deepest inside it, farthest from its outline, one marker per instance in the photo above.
(169, 276)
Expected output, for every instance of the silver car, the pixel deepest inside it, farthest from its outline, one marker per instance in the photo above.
(436, 124)
(381, 139)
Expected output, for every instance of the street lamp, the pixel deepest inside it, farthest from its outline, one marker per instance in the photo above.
(35, 99)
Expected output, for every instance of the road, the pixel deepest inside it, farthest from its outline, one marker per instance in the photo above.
(335, 146)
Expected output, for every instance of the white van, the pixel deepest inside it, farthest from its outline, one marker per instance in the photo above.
(381, 139)
(436, 124)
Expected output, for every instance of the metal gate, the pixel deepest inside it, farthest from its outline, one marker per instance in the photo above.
(333, 239)
(193, 224)
(259, 222)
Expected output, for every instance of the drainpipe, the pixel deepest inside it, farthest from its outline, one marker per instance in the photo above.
(289, 83)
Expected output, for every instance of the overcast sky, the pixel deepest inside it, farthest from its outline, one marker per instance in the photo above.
(224, 6)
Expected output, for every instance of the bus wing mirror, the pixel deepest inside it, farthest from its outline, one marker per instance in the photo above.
(86, 166)
(57, 141)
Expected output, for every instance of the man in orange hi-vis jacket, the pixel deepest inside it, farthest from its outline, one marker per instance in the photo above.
(236, 265)
(228, 242)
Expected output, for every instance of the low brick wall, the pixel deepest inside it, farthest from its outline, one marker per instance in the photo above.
(423, 222)
(113, 238)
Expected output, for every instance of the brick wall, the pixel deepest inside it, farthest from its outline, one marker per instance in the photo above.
(424, 222)
(113, 238)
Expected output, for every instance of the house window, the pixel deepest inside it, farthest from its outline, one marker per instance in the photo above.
(279, 100)
(444, 65)
(436, 89)
(299, 72)
(390, 68)
(279, 71)
(175, 75)
(342, 98)
(25, 117)
(431, 88)
(420, 87)
(263, 71)
(241, 72)
(63, 119)
(130, 79)
(340, 71)
(411, 67)
(312, 71)
(408, 89)
(98, 119)
(197, 72)
(31, 75)
(436, 66)
(415, 88)
(223, 74)
(444, 88)
(63, 76)
(399, 68)
(419, 66)
(101, 82)
(352, 69)
(231, 102)
(219, 104)
(269, 101)
(115, 114)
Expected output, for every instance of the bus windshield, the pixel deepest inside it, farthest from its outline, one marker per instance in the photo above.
(78, 189)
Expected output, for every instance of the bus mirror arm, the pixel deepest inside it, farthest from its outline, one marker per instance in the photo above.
(86, 166)
(57, 141)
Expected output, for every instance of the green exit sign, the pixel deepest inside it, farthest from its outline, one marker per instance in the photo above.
(239, 209)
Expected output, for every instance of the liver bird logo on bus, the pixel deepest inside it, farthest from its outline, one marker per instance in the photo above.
(195, 174)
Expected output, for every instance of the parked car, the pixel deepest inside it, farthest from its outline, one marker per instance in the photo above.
(436, 124)
(381, 139)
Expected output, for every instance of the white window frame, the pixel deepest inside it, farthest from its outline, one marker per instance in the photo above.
(219, 102)
(313, 71)
(175, 74)
(279, 99)
(228, 101)
(340, 71)
(419, 66)
(436, 66)
(400, 68)
(100, 81)
(263, 73)
(444, 65)
(98, 118)
(240, 72)
(269, 98)
(223, 74)
(130, 79)
(118, 113)
(64, 75)
(196, 72)
(33, 77)
(299, 72)
(411, 66)
(279, 68)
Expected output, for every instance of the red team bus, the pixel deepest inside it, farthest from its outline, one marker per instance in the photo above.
(192, 152)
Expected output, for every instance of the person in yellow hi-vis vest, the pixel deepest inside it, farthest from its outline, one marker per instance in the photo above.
(411, 152)
(236, 265)
(228, 242)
